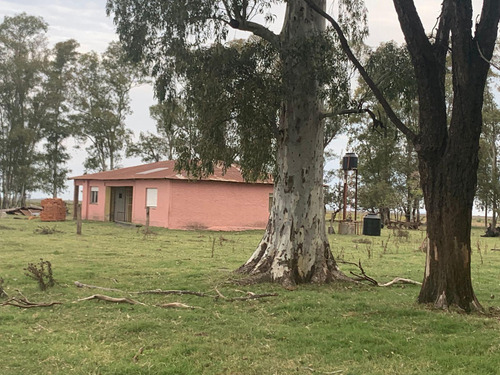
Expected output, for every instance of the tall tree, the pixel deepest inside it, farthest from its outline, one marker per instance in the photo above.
(57, 125)
(447, 148)
(294, 248)
(172, 121)
(22, 59)
(488, 189)
(102, 103)
(388, 164)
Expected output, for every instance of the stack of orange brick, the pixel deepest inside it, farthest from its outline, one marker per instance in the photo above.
(53, 210)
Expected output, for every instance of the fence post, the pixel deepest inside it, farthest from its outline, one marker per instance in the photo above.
(79, 219)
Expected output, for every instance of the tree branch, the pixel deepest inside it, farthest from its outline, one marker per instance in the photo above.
(249, 296)
(102, 297)
(240, 23)
(487, 29)
(364, 74)
(81, 285)
(485, 59)
(25, 304)
(371, 280)
(443, 33)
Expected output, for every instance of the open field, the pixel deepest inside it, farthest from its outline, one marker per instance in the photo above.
(331, 329)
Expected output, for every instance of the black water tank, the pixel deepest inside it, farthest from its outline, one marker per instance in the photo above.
(371, 225)
(349, 161)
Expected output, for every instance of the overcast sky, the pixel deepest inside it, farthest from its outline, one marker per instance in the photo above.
(86, 21)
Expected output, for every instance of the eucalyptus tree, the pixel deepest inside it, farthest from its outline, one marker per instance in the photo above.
(102, 102)
(263, 105)
(447, 143)
(57, 124)
(23, 54)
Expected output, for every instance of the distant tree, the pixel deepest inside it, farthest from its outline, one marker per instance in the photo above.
(57, 125)
(263, 105)
(488, 187)
(388, 170)
(447, 146)
(171, 119)
(150, 147)
(23, 55)
(102, 102)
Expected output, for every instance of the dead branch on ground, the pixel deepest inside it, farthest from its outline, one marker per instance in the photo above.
(249, 296)
(81, 285)
(3, 293)
(364, 277)
(176, 305)
(176, 292)
(25, 304)
(139, 352)
(111, 299)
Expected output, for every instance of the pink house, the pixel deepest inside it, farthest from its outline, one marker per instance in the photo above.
(218, 202)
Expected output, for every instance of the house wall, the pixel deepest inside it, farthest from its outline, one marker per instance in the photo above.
(159, 215)
(93, 211)
(218, 205)
(187, 204)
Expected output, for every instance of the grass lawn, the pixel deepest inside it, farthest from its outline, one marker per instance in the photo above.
(330, 329)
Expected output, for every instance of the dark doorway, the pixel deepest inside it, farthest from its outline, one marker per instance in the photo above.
(121, 204)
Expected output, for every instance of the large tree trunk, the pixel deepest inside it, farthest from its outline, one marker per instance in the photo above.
(295, 247)
(448, 153)
(449, 190)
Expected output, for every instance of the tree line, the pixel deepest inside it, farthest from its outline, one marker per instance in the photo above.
(388, 164)
(51, 94)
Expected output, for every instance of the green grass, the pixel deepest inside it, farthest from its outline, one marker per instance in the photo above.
(339, 328)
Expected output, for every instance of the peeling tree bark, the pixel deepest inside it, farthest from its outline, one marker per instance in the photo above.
(295, 247)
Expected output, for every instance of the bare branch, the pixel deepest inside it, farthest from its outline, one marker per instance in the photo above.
(364, 74)
(485, 59)
(176, 292)
(176, 305)
(372, 281)
(25, 304)
(102, 297)
(249, 296)
(81, 285)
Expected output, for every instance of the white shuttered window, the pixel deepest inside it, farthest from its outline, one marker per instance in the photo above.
(151, 197)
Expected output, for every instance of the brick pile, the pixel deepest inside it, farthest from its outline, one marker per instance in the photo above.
(53, 210)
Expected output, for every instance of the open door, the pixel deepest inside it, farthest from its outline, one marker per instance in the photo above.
(121, 204)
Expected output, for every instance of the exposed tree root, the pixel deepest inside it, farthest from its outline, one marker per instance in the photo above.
(364, 277)
(442, 302)
(111, 299)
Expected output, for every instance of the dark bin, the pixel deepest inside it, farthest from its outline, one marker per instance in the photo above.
(371, 225)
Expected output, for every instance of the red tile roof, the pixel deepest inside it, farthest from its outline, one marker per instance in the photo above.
(163, 170)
